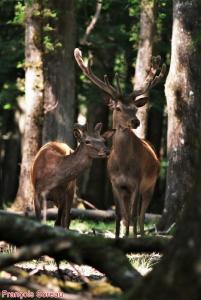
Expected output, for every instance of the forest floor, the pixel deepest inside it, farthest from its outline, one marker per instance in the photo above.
(76, 277)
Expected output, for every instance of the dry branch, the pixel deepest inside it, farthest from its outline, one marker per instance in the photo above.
(92, 24)
(81, 249)
(92, 214)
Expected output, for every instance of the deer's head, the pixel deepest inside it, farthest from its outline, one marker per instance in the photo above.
(124, 107)
(93, 141)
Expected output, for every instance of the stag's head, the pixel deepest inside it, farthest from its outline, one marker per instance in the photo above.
(92, 140)
(124, 107)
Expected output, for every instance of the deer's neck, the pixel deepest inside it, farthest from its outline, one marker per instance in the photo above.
(74, 164)
(125, 143)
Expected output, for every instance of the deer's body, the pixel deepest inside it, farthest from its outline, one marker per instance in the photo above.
(55, 169)
(133, 170)
(133, 165)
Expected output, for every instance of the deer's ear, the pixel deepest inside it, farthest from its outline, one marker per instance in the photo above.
(78, 134)
(98, 128)
(141, 100)
(108, 134)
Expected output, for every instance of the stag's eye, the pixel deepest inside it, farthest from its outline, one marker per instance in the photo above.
(87, 142)
(118, 108)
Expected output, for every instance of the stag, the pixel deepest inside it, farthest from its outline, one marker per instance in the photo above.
(56, 167)
(133, 165)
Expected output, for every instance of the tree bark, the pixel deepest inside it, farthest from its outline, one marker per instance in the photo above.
(184, 110)
(34, 102)
(146, 40)
(59, 73)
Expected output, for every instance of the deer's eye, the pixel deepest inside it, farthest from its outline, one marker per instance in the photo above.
(118, 108)
(87, 142)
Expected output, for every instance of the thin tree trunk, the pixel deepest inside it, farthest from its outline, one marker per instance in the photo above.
(184, 111)
(59, 75)
(34, 103)
(147, 31)
(96, 179)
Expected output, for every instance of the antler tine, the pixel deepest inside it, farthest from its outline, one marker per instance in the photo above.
(152, 79)
(106, 80)
(88, 72)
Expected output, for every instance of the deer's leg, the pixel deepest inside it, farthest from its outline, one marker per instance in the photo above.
(123, 207)
(146, 198)
(134, 217)
(59, 214)
(37, 206)
(68, 201)
(65, 219)
(126, 205)
(117, 211)
(118, 219)
(135, 200)
(44, 202)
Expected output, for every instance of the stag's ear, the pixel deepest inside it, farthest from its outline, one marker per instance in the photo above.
(108, 134)
(109, 102)
(97, 128)
(141, 100)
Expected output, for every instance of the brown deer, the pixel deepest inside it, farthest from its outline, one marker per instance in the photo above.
(133, 165)
(56, 167)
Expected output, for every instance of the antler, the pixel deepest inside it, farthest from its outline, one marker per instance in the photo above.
(152, 79)
(103, 85)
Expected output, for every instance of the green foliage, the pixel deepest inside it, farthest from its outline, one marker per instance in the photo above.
(11, 59)
(89, 226)
(163, 168)
(19, 17)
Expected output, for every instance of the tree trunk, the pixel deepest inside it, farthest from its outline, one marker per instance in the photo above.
(59, 74)
(34, 103)
(147, 30)
(183, 101)
(96, 179)
(96, 185)
(10, 168)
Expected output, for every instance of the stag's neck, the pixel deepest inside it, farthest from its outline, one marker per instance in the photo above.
(125, 142)
(74, 164)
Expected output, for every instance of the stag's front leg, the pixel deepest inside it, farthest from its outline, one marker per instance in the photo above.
(118, 219)
(146, 198)
(135, 200)
(118, 214)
